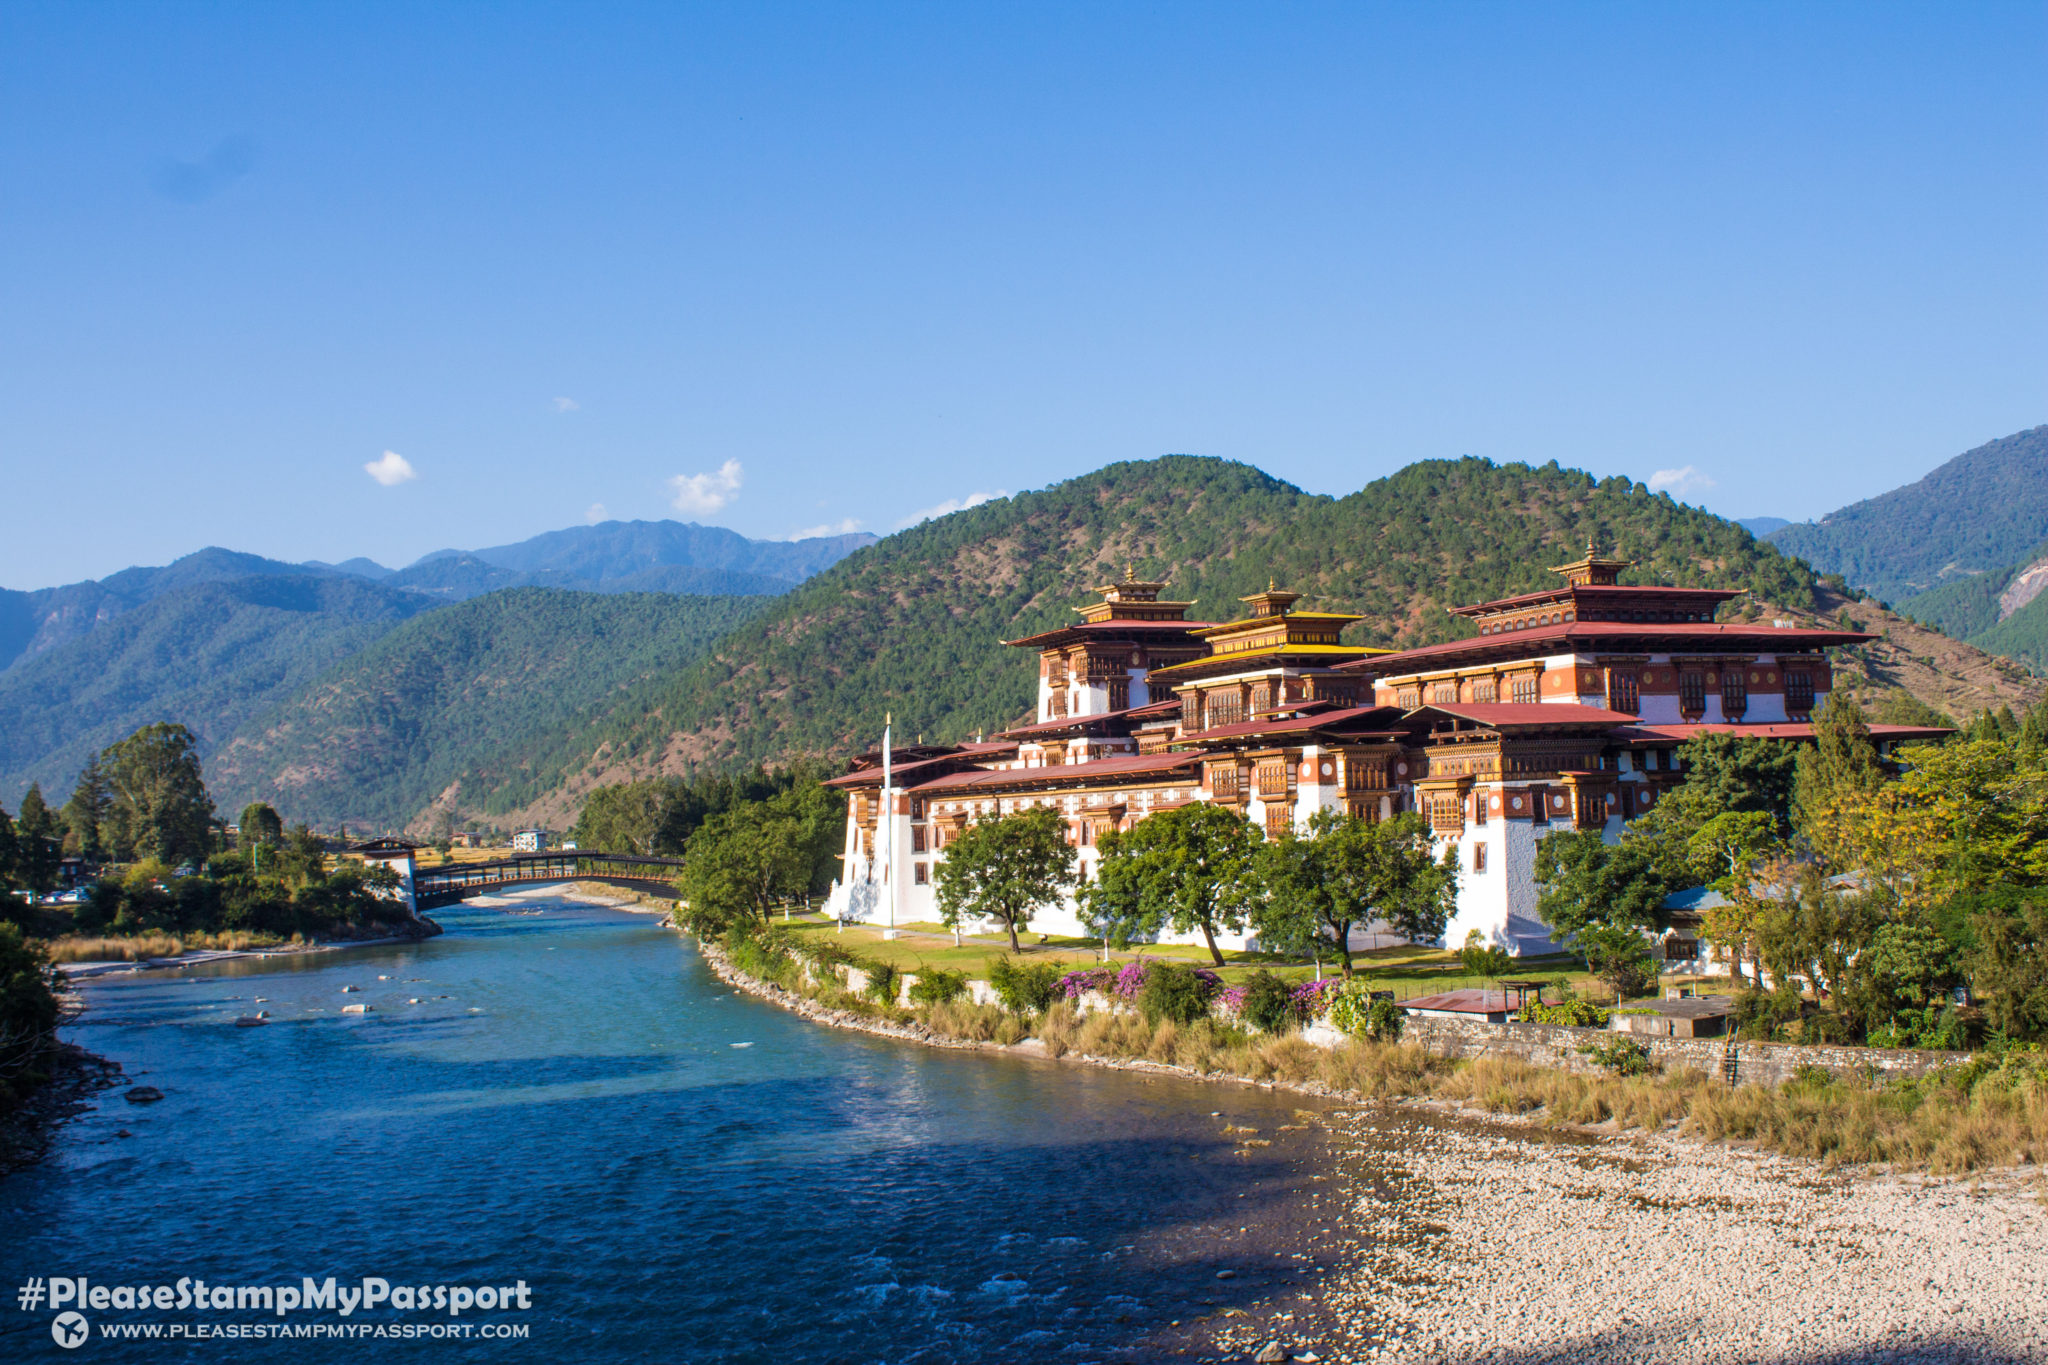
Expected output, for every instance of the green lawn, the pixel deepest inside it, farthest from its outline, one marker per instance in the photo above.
(1406, 970)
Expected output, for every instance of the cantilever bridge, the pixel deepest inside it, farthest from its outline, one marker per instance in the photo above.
(452, 882)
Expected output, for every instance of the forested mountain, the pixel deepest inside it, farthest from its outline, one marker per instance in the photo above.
(458, 577)
(622, 549)
(478, 706)
(1982, 512)
(211, 655)
(912, 625)
(33, 622)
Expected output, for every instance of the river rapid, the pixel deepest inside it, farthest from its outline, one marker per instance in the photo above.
(563, 1094)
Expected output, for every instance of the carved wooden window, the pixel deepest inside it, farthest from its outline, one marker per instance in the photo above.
(1798, 693)
(917, 838)
(1262, 697)
(1446, 812)
(1444, 694)
(1225, 707)
(1408, 698)
(1059, 701)
(1224, 782)
(1479, 857)
(1278, 820)
(1479, 808)
(1621, 692)
(920, 873)
(1273, 778)
(1119, 694)
(1485, 690)
(1523, 691)
(1692, 692)
(1734, 692)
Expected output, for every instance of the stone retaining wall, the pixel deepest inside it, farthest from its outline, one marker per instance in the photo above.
(1763, 1063)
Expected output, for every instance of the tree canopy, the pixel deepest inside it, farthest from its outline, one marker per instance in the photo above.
(1005, 868)
(1181, 869)
(1346, 871)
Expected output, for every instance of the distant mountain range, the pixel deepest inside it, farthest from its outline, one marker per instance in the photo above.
(1964, 550)
(612, 556)
(220, 639)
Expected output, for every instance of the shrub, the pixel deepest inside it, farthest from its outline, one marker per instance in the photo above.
(882, 983)
(936, 987)
(1622, 1056)
(1176, 994)
(1074, 985)
(1383, 1022)
(1024, 987)
(1312, 999)
(1267, 1003)
(1572, 1013)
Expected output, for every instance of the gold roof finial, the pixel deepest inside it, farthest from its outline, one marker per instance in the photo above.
(1130, 570)
(1272, 585)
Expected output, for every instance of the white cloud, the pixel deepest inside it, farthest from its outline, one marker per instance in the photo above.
(567, 405)
(952, 505)
(595, 513)
(1682, 481)
(703, 493)
(392, 470)
(843, 528)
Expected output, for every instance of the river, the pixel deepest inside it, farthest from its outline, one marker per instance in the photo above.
(563, 1094)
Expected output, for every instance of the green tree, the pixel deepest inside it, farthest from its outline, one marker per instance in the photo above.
(10, 861)
(2008, 966)
(87, 813)
(160, 806)
(1181, 869)
(1725, 776)
(1346, 871)
(739, 866)
(260, 825)
(39, 843)
(1841, 760)
(28, 1013)
(1583, 881)
(1488, 962)
(1005, 869)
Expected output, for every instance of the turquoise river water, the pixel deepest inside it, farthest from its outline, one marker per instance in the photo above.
(564, 1095)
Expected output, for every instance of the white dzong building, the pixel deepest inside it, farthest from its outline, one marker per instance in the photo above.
(1562, 711)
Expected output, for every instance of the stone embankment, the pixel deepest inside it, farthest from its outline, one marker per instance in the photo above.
(1553, 1045)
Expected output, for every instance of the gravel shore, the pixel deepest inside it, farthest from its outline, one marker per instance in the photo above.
(1475, 1241)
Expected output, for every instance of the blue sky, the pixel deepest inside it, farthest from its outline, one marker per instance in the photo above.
(789, 267)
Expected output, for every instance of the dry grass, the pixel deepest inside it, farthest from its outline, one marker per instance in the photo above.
(139, 947)
(1984, 1115)
(1978, 1116)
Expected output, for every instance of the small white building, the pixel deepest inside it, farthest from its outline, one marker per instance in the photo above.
(530, 841)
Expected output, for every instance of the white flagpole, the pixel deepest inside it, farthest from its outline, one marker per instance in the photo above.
(888, 816)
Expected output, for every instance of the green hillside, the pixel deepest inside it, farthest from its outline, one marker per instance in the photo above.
(1964, 608)
(1980, 512)
(913, 624)
(481, 704)
(2021, 637)
(212, 655)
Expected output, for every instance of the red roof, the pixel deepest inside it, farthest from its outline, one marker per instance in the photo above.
(1321, 720)
(1139, 765)
(1574, 634)
(1593, 592)
(1113, 626)
(965, 753)
(1046, 727)
(1502, 715)
(1771, 730)
(1463, 1002)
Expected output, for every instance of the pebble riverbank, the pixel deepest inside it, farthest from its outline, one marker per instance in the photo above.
(1464, 1240)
